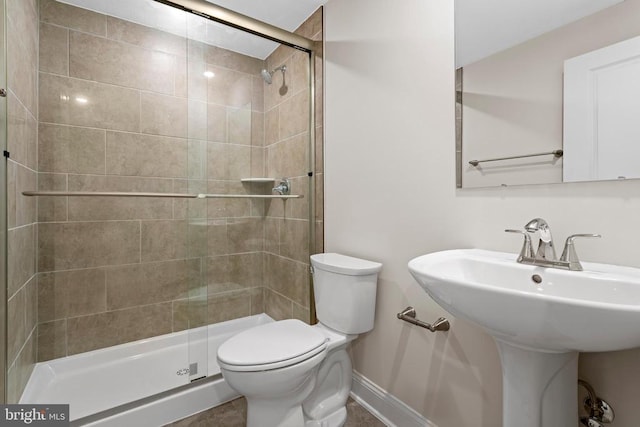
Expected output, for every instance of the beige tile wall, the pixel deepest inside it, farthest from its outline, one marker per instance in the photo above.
(22, 45)
(22, 55)
(116, 270)
(286, 264)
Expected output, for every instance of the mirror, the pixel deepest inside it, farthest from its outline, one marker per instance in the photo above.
(545, 91)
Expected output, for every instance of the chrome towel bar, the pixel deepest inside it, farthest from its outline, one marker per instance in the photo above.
(170, 195)
(556, 153)
(409, 315)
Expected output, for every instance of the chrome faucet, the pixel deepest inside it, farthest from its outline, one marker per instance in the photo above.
(545, 255)
(545, 242)
(283, 188)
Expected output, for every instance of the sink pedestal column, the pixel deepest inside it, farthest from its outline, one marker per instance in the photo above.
(539, 389)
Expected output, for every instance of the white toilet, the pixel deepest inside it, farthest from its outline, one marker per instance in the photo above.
(296, 375)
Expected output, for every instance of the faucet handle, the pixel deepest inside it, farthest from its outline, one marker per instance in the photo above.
(527, 248)
(569, 254)
(283, 188)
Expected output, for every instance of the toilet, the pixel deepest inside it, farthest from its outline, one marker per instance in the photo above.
(296, 375)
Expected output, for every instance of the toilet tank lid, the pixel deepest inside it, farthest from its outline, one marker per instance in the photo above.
(342, 264)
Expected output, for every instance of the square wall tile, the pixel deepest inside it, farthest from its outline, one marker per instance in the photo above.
(21, 258)
(88, 333)
(54, 49)
(145, 37)
(229, 306)
(64, 15)
(52, 340)
(65, 246)
(164, 115)
(150, 283)
(133, 154)
(51, 209)
(69, 149)
(108, 61)
(277, 306)
(164, 240)
(72, 293)
(70, 101)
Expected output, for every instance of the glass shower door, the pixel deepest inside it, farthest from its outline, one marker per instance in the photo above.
(226, 235)
(3, 200)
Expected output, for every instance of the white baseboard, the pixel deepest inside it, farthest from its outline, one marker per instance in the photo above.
(388, 409)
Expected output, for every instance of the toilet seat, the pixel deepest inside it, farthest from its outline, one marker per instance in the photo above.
(271, 346)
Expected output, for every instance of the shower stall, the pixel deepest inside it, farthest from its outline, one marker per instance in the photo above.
(163, 191)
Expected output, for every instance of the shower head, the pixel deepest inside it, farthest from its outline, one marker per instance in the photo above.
(267, 76)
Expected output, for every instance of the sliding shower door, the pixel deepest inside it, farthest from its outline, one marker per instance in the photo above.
(126, 297)
(114, 274)
(3, 201)
(225, 235)
(249, 121)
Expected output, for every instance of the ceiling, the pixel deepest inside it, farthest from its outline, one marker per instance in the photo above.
(485, 27)
(286, 14)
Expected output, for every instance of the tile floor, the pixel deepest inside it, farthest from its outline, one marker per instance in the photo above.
(232, 414)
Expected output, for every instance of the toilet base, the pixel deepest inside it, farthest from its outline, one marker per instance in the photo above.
(336, 419)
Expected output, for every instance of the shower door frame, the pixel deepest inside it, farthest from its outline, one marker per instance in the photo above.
(3, 202)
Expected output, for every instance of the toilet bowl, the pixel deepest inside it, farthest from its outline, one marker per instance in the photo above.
(274, 367)
(326, 405)
(296, 375)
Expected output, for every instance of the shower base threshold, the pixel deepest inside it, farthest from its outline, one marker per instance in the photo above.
(101, 385)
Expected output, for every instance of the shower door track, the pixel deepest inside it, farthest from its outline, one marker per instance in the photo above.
(242, 22)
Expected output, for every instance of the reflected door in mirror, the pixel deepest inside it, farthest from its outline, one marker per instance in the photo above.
(602, 112)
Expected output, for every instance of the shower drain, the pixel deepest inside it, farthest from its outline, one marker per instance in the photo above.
(192, 369)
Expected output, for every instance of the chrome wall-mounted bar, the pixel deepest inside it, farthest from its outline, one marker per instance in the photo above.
(409, 315)
(556, 153)
(164, 195)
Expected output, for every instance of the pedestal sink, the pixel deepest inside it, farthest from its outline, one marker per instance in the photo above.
(540, 318)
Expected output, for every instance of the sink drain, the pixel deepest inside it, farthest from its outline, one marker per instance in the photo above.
(536, 278)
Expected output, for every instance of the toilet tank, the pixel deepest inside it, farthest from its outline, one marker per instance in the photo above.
(345, 291)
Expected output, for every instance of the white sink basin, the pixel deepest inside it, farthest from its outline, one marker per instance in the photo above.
(593, 310)
(539, 327)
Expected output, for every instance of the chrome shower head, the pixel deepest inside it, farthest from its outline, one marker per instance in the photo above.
(267, 76)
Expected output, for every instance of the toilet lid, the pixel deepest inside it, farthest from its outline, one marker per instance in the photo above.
(276, 345)
(342, 264)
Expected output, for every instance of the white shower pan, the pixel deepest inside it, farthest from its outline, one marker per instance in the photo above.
(125, 377)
